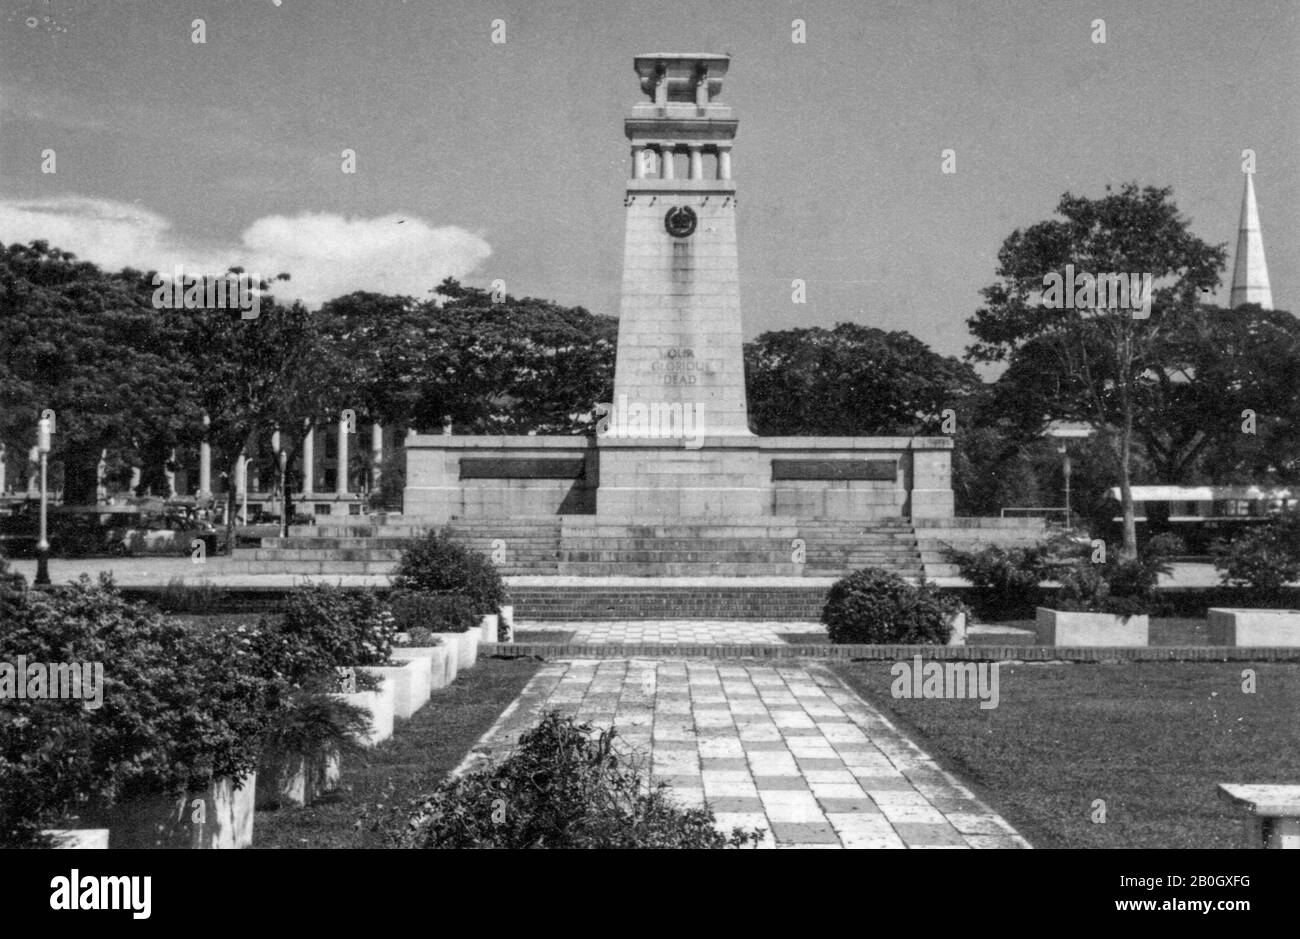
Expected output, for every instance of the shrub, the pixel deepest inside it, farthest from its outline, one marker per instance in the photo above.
(436, 564)
(877, 606)
(179, 597)
(1167, 544)
(309, 722)
(563, 787)
(1009, 579)
(435, 612)
(178, 708)
(1265, 558)
(422, 636)
(12, 588)
(1120, 586)
(335, 627)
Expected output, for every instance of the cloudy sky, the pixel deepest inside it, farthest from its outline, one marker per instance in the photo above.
(485, 161)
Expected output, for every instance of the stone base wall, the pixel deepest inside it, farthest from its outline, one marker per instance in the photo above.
(724, 477)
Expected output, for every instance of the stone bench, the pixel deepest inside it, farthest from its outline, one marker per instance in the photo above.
(1273, 819)
(1230, 627)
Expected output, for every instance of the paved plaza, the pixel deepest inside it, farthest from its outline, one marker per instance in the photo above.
(788, 748)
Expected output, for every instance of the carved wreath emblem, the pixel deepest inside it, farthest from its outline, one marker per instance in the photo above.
(680, 221)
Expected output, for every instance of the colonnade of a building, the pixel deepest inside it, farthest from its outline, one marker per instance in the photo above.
(656, 159)
(341, 488)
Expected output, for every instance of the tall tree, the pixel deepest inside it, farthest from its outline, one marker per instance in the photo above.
(851, 380)
(259, 376)
(507, 365)
(91, 346)
(1101, 358)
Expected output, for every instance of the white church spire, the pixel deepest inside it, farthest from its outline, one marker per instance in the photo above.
(1250, 271)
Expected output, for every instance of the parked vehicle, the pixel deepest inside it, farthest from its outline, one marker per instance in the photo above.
(165, 534)
(73, 531)
(1201, 515)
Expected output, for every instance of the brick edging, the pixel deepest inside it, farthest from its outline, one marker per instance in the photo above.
(890, 653)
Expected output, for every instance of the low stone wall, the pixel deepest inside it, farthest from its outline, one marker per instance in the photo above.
(499, 477)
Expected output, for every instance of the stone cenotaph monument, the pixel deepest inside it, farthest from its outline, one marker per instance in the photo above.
(674, 446)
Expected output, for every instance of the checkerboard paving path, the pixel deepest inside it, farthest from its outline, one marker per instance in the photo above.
(667, 632)
(788, 748)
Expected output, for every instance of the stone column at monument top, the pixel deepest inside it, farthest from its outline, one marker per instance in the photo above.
(680, 335)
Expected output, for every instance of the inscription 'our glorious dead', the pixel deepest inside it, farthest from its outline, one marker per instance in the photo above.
(679, 366)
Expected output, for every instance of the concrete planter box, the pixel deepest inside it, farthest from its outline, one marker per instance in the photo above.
(488, 625)
(407, 683)
(1256, 628)
(452, 643)
(1066, 628)
(78, 838)
(437, 659)
(296, 779)
(469, 642)
(958, 637)
(464, 645)
(379, 705)
(220, 816)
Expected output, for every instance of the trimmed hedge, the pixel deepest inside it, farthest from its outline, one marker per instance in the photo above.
(875, 606)
(437, 564)
(436, 612)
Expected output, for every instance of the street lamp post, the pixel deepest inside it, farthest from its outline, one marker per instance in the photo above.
(43, 545)
(1065, 471)
(284, 495)
(244, 520)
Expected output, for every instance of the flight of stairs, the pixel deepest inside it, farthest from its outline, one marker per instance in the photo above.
(936, 536)
(589, 546)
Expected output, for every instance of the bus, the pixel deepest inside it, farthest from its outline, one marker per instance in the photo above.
(1201, 515)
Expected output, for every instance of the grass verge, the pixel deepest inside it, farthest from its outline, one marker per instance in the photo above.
(411, 763)
(1151, 741)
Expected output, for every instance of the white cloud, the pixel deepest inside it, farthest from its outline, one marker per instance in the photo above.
(326, 255)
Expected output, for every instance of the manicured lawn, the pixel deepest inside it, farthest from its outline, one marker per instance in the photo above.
(1152, 740)
(418, 756)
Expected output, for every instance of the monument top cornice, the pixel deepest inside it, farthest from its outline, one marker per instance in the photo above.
(681, 77)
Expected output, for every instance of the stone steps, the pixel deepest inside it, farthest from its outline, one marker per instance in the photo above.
(560, 604)
(591, 546)
(699, 568)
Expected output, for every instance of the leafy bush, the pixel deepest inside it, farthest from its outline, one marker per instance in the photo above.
(436, 612)
(309, 722)
(12, 588)
(436, 564)
(1265, 558)
(336, 627)
(1119, 586)
(1009, 579)
(178, 708)
(422, 636)
(180, 597)
(879, 607)
(1167, 544)
(563, 787)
